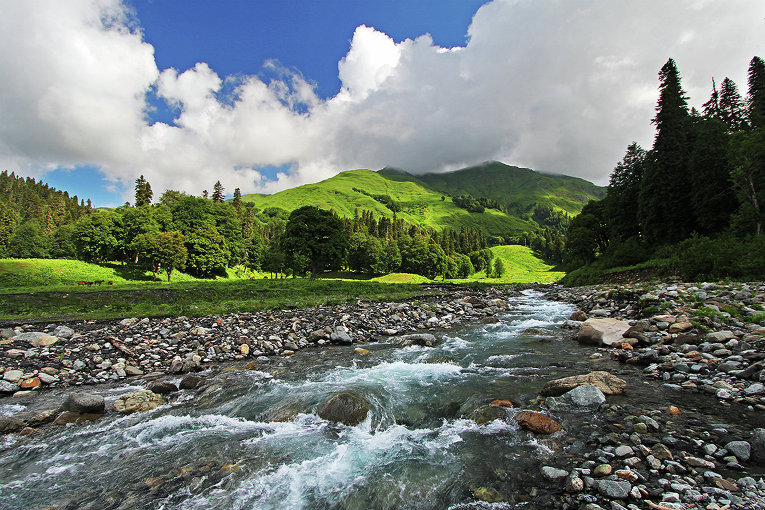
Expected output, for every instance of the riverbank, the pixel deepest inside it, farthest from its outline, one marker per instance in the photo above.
(661, 440)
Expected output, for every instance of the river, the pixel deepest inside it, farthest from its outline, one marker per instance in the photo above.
(220, 447)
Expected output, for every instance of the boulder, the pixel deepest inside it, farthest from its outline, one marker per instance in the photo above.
(537, 422)
(487, 414)
(137, 402)
(8, 387)
(604, 332)
(740, 449)
(424, 339)
(10, 424)
(582, 398)
(63, 332)
(347, 407)
(757, 442)
(82, 403)
(614, 488)
(607, 383)
(191, 382)
(162, 387)
(341, 336)
(578, 316)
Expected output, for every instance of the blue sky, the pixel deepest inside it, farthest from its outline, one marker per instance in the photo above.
(269, 94)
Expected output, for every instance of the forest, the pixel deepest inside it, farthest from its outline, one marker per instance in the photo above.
(695, 199)
(205, 235)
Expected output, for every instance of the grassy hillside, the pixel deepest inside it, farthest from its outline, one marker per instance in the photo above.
(517, 188)
(28, 273)
(419, 205)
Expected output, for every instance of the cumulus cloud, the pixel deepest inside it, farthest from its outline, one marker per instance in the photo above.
(556, 86)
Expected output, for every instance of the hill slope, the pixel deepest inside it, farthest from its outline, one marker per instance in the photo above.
(425, 199)
(351, 190)
(516, 188)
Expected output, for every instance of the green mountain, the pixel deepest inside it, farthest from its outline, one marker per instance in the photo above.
(426, 199)
(518, 189)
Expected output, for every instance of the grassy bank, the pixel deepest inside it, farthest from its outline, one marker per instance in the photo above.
(194, 298)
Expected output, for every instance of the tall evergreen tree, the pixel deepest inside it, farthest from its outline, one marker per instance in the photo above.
(665, 184)
(732, 110)
(623, 192)
(756, 97)
(143, 193)
(238, 202)
(218, 195)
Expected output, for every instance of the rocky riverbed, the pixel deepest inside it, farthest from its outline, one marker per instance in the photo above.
(673, 387)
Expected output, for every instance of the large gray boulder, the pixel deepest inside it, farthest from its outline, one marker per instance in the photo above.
(608, 383)
(84, 403)
(582, 398)
(758, 447)
(347, 407)
(604, 332)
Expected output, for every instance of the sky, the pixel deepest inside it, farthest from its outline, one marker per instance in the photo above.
(266, 95)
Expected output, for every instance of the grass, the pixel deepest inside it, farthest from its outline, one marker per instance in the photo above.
(47, 289)
(195, 298)
(420, 205)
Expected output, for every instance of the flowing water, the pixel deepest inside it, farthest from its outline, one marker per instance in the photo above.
(222, 447)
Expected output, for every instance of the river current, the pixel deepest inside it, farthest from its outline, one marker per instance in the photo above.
(251, 438)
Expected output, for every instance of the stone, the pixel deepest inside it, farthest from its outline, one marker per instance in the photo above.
(553, 474)
(137, 402)
(244, 349)
(578, 316)
(582, 398)
(616, 489)
(347, 407)
(740, 449)
(603, 332)
(501, 403)
(602, 470)
(341, 336)
(361, 351)
(423, 339)
(9, 424)
(28, 384)
(8, 387)
(757, 443)
(82, 403)
(132, 370)
(13, 375)
(63, 332)
(487, 494)
(162, 387)
(191, 382)
(720, 336)
(607, 383)
(537, 422)
(488, 413)
(623, 451)
(47, 379)
(698, 462)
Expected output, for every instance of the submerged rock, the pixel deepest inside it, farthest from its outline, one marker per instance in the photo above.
(84, 403)
(537, 422)
(138, 401)
(424, 339)
(581, 398)
(488, 413)
(347, 407)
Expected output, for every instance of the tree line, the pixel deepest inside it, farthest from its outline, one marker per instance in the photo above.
(206, 235)
(703, 179)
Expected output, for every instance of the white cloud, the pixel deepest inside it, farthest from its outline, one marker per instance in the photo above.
(556, 86)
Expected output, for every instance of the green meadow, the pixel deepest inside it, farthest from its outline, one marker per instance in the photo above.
(47, 289)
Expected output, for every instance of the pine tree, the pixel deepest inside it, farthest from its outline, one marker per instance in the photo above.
(731, 107)
(756, 97)
(143, 193)
(665, 184)
(204, 194)
(218, 195)
(238, 202)
(712, 107)
(623, 192)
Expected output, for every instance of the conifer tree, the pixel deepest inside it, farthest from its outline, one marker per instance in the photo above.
(143, 193)
(756, 97)
(238, 202)
(732, 110)
(665, 185)
(623, 191)
(218, 195)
